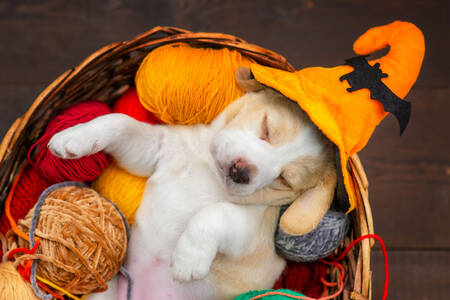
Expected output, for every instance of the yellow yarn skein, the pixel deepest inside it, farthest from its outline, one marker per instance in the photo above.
(12, 285)
(181, 84)
(122, 188)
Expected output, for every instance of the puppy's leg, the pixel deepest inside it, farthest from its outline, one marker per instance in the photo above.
(223, 227)
(135, 145)
(305, 213)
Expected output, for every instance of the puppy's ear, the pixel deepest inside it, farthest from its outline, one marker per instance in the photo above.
(305, 213)
(246, 80)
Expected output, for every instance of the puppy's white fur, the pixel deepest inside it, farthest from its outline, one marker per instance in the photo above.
(197, 234)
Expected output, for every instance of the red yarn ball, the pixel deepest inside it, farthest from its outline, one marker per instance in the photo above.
(129, 104)
(28, 189)
(55, 169)
(303, 277)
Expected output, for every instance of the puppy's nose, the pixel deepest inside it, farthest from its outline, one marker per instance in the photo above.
(239, 172)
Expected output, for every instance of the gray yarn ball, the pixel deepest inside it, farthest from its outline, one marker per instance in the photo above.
(318, 243)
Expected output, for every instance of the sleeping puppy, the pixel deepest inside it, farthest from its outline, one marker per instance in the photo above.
(205, 226)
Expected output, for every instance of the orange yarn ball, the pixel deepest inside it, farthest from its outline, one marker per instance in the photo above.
(83, 239)
(181, 84)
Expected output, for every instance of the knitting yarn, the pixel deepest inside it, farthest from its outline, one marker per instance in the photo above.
(129, 104)
(281, 295)
(303, 277)
(83, 238)
(55, 169)
(29, 187)
(316, 244)
(12, 285)
(122, 188)
(181, 84)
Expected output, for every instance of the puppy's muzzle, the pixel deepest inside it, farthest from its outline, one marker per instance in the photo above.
(239, 172)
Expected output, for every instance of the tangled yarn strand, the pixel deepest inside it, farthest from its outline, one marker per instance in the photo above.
(335, 262)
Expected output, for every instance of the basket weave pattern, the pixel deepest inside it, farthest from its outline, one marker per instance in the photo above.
(110, 71)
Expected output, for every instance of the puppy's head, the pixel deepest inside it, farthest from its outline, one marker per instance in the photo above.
(267, 142)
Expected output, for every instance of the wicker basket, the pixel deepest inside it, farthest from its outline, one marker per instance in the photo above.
(109, 72)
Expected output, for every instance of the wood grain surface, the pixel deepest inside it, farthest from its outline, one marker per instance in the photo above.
(409, 176)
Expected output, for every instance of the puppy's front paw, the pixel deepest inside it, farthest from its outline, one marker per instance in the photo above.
(191, 261)
(75, 142)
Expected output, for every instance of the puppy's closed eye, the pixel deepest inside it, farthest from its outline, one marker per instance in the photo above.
(284, 181)
(265, 129)
(281, 184)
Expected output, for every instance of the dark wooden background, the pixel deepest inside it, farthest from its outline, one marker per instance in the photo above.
(409, 175)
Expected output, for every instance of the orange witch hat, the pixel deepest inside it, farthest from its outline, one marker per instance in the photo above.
(348, 118)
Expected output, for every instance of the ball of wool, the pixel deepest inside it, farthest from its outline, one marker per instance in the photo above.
(122, 188)
(55, 169)
(29, 187)
(83, 238)
(12, 285)
(316, 244)
(252, 294)
(303, 277)
(181, 84)
(129, 104)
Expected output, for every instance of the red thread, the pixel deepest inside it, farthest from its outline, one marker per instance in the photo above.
(29, 187)
(335, 263)
(383, 249)
(129, 104)
(25, 270)
(49, 291)
(55, 169)
(23, 250)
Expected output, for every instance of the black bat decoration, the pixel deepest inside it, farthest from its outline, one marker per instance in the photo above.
(365, 76)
